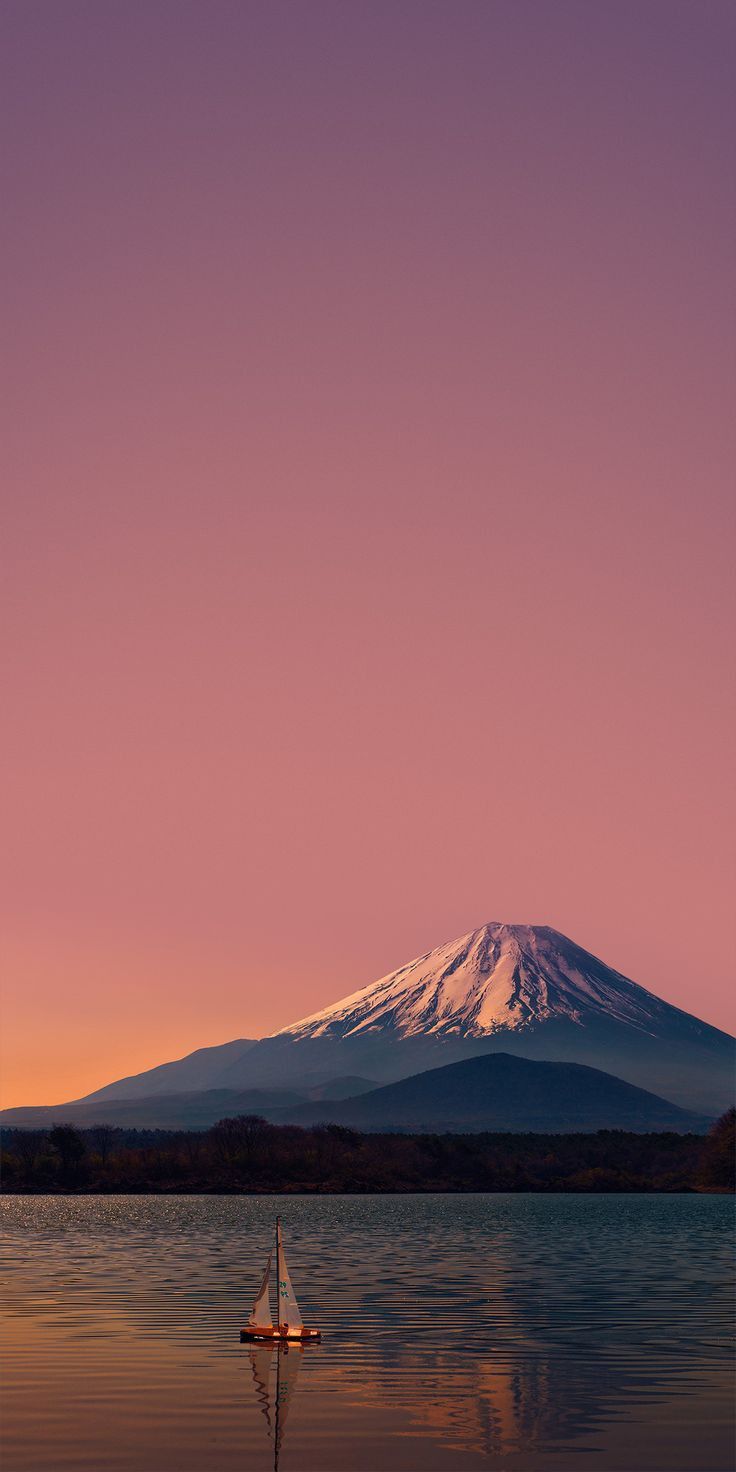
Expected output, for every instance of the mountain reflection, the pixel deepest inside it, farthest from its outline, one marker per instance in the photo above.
(526, 1365)
(503, 1409)
(480, 1399)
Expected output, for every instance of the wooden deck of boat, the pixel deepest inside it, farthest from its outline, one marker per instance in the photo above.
(266, 1336)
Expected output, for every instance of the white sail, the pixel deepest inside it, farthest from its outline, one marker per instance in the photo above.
(288, 1308)
(260, 1315)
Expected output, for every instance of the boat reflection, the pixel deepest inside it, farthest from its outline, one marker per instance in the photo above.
(274, 1372)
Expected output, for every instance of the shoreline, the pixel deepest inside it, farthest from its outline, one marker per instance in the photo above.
(371, 1191)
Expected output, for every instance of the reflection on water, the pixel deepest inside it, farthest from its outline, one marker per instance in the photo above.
(274, 1371)
(505, 1332)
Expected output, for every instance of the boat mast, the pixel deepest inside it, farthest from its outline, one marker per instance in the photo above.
(278, 1346)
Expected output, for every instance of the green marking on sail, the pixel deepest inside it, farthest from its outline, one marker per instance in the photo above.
(288, 1306)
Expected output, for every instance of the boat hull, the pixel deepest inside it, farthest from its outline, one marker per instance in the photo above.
(267, 1333)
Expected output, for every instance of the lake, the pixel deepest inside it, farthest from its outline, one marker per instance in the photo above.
(514, 1332)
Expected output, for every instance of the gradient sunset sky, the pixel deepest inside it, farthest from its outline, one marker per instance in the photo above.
(367, 526)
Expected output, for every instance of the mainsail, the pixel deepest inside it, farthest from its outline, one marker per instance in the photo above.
(288, 1308)
(260, 1314)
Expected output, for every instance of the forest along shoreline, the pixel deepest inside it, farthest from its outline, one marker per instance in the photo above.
(247, 1155)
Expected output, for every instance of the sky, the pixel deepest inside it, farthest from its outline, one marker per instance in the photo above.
(368, 513)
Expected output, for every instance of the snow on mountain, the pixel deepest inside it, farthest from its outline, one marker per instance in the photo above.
(497, 978)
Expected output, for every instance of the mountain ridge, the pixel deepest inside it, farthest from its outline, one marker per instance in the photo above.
(195, 1109)
(178, 1075)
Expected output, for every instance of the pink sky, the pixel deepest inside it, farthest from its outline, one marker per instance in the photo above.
(366, 536)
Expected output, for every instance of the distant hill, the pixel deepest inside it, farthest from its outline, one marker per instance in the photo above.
(194, 1110)
(500, 1091)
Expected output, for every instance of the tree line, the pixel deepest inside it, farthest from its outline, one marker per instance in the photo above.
(247, 1154)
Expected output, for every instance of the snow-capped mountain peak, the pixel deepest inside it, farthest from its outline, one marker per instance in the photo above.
(499, 977)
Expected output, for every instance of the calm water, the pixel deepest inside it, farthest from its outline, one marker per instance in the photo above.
(515, 1332)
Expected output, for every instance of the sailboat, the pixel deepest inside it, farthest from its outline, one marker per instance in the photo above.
(288, 1323)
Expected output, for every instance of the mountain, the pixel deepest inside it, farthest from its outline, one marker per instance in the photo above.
(499, 1091)
(521, 989)
(194, 1110)
(496, 979)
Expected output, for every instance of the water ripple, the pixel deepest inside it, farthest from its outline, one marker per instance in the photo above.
(505, 1331)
